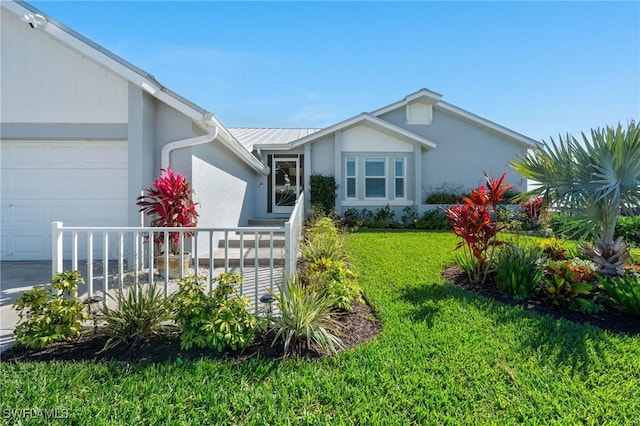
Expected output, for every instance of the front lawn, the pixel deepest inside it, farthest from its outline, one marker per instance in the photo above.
(444, 356)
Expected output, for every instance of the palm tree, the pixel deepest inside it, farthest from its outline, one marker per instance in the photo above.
(595, 180)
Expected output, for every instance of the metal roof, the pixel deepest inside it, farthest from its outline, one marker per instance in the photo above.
(249, 136)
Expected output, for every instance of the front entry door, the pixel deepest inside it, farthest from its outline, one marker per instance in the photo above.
(285, 184)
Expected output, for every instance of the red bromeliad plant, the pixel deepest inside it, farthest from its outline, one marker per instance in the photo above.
(168, 202)
(472, 221)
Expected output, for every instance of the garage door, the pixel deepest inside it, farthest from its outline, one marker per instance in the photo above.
(81, 183)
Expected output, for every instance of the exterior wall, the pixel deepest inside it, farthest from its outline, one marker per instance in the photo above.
(363, 138)
(43, 81)
(322, 157)
(463, 154)
(224, 188)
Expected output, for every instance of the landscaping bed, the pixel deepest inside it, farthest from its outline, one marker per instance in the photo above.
(357, 326)
(610, 319)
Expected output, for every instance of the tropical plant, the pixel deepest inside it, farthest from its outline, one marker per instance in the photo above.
(624, 290)
(629, 228)
(385, 214)
(218, 320)
(323, 191)
(553, 249)
(534, 209)
(594, 179)
(409, 216)
(50, 315)
(334, 279)
(306, 320)
(140, 312)
(569, 286)
(518, 270)
(169, 204)
(472, 221)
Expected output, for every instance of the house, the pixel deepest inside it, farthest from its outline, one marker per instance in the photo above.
(83, 132)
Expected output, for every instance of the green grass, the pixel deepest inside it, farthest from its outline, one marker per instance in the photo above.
(444, 357)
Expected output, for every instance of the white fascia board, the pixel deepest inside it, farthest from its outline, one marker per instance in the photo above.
(412, 97)
(237, 148)
(483, 122)
(353, 121)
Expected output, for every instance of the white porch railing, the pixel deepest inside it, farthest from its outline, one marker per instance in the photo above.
(293, 234)
(115, 256)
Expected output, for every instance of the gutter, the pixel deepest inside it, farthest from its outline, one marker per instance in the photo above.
(165, 155)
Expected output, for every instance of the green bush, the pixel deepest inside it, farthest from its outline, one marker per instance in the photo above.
(553, 249)
(624, 290)
(629, 228)
(568, 286)
(335, 280)
(433, 220)
(445, 194)
(409, 216)
(47, 316)
(325, 264)
(306, 320)
(518, 270)
(219, 320)
(323, 191)
(385, 214)
(140, 312)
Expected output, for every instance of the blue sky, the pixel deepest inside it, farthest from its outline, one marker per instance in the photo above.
(539, 68)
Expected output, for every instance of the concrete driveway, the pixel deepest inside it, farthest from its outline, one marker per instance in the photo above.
(16, 277)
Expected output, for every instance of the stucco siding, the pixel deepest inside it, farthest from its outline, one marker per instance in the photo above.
(44, 81)
(463, 154)
(322, 157)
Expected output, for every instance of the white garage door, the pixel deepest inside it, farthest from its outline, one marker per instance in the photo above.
(81, 183)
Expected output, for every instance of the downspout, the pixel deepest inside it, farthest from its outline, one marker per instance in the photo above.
(165, 154)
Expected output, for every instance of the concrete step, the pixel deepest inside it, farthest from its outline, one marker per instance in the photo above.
(249, 256)
(249, 241)
(268, 222)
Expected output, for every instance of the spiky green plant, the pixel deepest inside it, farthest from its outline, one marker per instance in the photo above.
(141, 311)
(594, 179)
(306, 320)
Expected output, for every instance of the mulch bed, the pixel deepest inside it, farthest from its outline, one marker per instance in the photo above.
(610, 319)
(358, 326)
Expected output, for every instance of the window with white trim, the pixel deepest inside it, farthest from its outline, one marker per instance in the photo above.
(400, 178)
(375, 178)
(350, 174)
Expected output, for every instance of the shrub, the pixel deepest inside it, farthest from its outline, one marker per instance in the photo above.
(552, 248)
(534, 209)
(473, 223)
(518, 270)
(566, 284)
(629, 228)
(434, 220)
(351, 218)
(385, 214)
(219, 320)
(445, 194)
(47, 316)
(333, 278)
(306, 320)
(141, 312)
(624, 290)
(467, 262)
(323, 191)
(409, 216)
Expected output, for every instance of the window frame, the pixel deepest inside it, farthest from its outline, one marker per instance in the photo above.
(383, 177)
(354, 177)
(403, 177)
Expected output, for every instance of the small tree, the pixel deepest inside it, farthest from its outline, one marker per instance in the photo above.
(472, 221)
(595, 180)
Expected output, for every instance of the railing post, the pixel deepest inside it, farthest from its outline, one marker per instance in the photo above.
(288, 248)
(56, 248)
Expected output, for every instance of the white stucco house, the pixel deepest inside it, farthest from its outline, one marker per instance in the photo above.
(83, 131)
